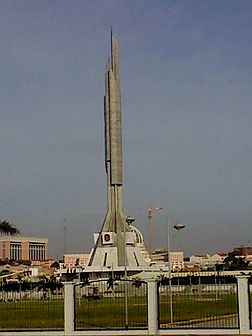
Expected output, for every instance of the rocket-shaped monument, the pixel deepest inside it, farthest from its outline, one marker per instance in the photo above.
(115, 245)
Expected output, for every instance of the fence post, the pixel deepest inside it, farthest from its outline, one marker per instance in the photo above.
(68, 308)
(152, 307)
(243, 303)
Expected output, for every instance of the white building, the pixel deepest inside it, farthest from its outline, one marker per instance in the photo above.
(160, 257)
(177, 260)
(207, 260)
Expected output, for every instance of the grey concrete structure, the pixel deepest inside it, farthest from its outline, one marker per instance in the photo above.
(115, 245)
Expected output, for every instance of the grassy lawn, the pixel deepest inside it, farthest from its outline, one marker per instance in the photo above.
(35, 314)
(197, 307)
(109, 312)
(49, 314)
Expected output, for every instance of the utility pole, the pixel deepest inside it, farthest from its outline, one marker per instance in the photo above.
(177, 227)
(65, 236)
(150, 227)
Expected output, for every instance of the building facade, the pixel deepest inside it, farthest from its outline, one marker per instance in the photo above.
(204, 262)
(160, 257)
(243, 250)
(177, 260)
(23, 248)
(72, 260)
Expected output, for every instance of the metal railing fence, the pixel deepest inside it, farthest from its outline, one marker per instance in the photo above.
(121, 307)
(31, 306)
(250, 300)
(197, 305)
(111, 304)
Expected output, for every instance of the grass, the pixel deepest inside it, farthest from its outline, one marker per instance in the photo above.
(109, 312)
(198, 307)
(31, 315)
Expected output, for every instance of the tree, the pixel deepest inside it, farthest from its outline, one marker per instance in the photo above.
(6, 228)
(55, 264)
(235, 262)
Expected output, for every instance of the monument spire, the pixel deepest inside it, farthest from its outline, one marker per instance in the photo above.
(112, 242)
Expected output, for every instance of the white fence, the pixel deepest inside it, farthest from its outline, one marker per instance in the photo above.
(244, 316)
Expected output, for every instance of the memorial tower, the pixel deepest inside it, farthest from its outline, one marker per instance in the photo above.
(115, 245)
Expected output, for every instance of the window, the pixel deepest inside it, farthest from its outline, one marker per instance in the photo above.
(3, 249)
(15, 251)
(36, 251)
(105, 259)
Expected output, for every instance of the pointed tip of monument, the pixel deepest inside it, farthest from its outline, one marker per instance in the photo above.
(111, 32)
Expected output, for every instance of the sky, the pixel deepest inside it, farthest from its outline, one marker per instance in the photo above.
(186, 79)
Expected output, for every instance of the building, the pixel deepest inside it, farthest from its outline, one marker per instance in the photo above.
(177, 260)
(248, 258)
(23, 248)
(243, 250)
(200, 260)
(72, 260)
(207, 260)
(161, 257)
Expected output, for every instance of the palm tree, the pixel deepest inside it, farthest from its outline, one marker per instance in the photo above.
(6, 228)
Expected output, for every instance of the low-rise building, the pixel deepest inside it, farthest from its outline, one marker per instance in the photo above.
(72, 260)
(23, 248)
(177, 260)
(243, 250)
(161, 257)
(248, 258)
(206, 261)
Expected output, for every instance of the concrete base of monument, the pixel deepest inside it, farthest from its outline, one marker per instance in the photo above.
(106, 259)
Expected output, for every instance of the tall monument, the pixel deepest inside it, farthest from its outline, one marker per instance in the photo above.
(116, 245)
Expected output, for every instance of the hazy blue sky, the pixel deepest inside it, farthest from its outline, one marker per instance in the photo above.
(186, 83)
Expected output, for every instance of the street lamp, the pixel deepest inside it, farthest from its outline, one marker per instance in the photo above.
(177, 227)
(129, 220)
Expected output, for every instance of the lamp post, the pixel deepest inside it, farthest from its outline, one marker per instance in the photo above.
(129, 220)
(177, 227)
